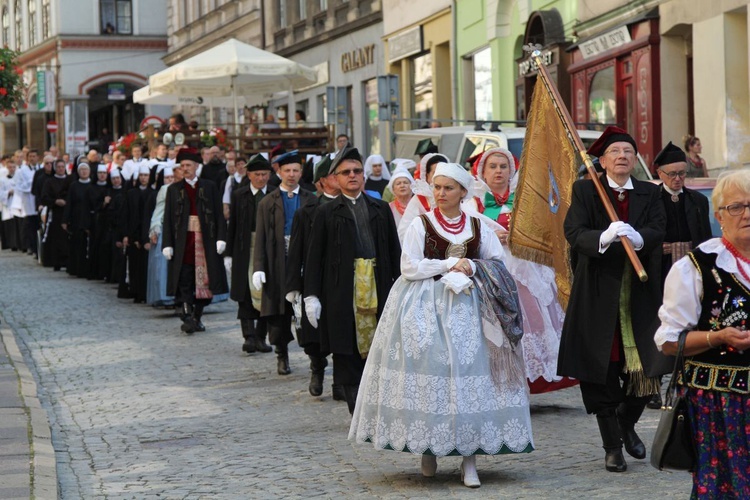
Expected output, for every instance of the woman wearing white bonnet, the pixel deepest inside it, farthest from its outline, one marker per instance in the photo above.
(377, 174)
(445, 372)
(400, 186)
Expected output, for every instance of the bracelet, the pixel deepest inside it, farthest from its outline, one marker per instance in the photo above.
(708, 340)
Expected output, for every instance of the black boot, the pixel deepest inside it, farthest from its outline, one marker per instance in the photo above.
(627, 416)
(614, 461)
(655, 403)
(317, 368)
(337, 392)
(248, 332)
(350, 392)
(260, 337)
(197, 315)
(282, 360)
(188, 323)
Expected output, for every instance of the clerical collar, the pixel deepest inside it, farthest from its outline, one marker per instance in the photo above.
(628, 185)
(86, 181)
(375, 177)
(99, 183)
(255, 189)
(293, 192)
(192, 182)
(329, 196)
(60, 176)
(671, 191)
(141, 187)
(353, 200)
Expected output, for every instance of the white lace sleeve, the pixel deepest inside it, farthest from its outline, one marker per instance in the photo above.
(682, 302)
(413, 264)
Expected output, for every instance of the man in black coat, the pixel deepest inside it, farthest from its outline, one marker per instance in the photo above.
(193, 237)
(608, 335)
(272, 232)
(353, 229)
(308, 337)
(240, 246)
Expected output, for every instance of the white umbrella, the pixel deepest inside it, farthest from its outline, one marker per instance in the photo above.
(145, 95)
(233, 69)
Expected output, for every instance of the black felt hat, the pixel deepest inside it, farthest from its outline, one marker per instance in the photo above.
(258, 162)
(670, 154)
(425, 146)
(189, 154)
(322, 168)
(345, 154)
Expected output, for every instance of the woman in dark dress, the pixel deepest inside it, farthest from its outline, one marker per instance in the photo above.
(54, 197)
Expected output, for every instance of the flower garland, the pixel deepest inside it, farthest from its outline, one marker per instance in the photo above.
(12, 86)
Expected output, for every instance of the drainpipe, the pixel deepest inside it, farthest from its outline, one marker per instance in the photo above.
(454, 57)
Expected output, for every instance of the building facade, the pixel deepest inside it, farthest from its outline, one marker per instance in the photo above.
(82, 60)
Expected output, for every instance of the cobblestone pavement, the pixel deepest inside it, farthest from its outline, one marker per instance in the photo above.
(139, 410)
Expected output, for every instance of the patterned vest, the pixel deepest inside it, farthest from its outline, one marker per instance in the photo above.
(437, 247)
(725, 302)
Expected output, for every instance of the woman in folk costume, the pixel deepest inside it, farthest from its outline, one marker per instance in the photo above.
(445, 372)
(377, 174)
(401, 185)
(542, 314)
(423, 200)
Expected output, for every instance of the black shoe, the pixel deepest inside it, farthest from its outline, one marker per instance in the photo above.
(199, 327)
(197, 315)
(655, 403)
(249, 346)
(337, 392)
(282, 361)
(261, 346)
(188, 326)
(633, 444)
(316, 383)
(614, 461)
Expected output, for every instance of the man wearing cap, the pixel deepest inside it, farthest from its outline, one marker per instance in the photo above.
(276, 153)
(193, 238)
(607, 338)
(272, 232)
(349, 236)
(243, 210)
(77, 221)
(308, 337)
(687, 215)
(136, 238)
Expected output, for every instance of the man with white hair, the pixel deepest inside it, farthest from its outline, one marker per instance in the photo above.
(349, 234)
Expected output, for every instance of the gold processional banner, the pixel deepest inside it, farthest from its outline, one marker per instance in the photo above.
(548, 169)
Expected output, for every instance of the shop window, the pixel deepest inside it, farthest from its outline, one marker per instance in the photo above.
(116, 16)
(483, 84)
(602, 104)
(46, 16)
(6, 26)
(372, 129)
(19, 23)
(422, 90)
(32, 22)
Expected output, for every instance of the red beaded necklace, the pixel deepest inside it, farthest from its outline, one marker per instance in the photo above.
(450, 227)
(737, 257)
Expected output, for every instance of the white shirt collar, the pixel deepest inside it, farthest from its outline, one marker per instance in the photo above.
(670, 191)
(353, 200)
(255, 190)
(192, 182)
(295, 190)
(329, 196)
(628, 185)
(237, 177)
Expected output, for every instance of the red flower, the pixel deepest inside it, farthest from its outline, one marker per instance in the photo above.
(19, 70)
(3, 91)
(25, 105)
(2, 67)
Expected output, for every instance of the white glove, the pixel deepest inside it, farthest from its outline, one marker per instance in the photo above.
(313, 310)
(221, 246)
(259, 277)
(228, 264)
(167, 252)
(292, 296)
(634, 236)
(610, 234)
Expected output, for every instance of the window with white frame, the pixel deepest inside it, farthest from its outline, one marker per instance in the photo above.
(32, 22)
(116, 17)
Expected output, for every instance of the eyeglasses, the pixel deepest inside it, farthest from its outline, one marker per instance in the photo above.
(618, 152)
(672, 175)
(347, 173)
(735, 209)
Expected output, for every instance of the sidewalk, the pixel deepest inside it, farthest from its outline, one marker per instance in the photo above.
(27, 458)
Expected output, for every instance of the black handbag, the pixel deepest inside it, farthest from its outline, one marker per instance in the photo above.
(673, 447)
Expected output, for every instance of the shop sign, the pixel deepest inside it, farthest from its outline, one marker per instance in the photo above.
(116, 91)
(529, 65)
(605, 42)
(405, 44)
(45, 91)
(358, 58)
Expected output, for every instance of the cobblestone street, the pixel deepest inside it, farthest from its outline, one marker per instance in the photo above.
(138, 409)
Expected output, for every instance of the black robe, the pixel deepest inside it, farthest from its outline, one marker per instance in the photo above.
(112, 257)
(270, 249)
(55, 240)
(378, 186)
(298, 245)
(137, 254)
(97, 194)
(329, 267)
(592, 313)
(213, 229)
(77, 216)
(242, 218)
